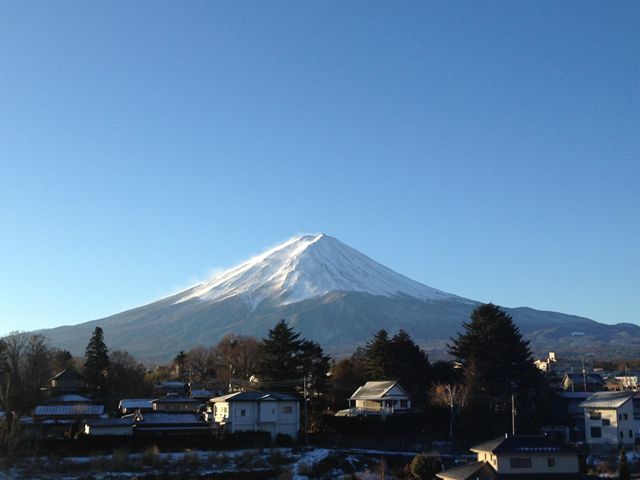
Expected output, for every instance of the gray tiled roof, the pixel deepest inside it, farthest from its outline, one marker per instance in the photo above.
(530, 444)
(254, 396)
(110, 422)
(67, 410)
(155, 418)
(135, 403)
(71, 398)
(607, 399)
(175, 399)
(475, 470)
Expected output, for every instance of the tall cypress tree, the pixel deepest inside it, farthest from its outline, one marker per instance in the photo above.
(96, 361)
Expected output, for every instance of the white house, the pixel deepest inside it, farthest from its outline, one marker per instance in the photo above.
(609, 419)
(520, 456)
(258, 411)
(379, 398)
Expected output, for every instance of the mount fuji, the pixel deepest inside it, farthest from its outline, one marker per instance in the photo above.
(333, 295)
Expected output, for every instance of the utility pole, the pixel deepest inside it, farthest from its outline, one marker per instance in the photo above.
(513, 414)
(304, 389)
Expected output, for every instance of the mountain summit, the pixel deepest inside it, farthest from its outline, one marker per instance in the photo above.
(305, 267)
(332, 294)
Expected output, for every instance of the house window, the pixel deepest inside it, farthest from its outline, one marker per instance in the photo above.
(625, 416)
(551, 462)
(403, 404)
(621, 434)
(596, 432)
(287, 409)
(630, 433)
(595, 415)
(606, 421)
(619, 416)
(520, 462)
(243, 413)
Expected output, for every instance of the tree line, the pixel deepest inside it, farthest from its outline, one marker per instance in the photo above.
(491, 364)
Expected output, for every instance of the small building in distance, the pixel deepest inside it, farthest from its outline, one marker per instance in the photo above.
(114, 427)
(583, 382)
(67, 381)
(175, 403)
(609, 419)
(272, 412)
(519, 456)
(131, 405)
(379, 398)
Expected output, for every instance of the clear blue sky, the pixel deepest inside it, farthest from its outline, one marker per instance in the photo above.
(489, 149)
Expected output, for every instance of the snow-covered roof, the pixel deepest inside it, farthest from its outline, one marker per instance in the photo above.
(68, 410)
(377, 390)
(254, 397)
(607, 400)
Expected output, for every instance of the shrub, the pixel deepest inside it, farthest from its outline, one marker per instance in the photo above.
(190, 460)
(277, 458)
(425, 466)
(151, 457)
(120, 460)
(284, 440)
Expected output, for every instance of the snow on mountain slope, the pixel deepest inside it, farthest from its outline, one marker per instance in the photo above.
(305, 267)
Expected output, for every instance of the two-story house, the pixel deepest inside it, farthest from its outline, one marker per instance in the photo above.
(520, 456)
(272, 412)
(609, 419)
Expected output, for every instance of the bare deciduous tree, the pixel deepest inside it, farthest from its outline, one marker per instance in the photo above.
(454, 396)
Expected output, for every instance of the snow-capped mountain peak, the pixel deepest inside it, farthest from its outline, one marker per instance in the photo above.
(305, 267)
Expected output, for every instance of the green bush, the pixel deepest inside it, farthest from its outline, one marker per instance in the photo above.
(424, 466)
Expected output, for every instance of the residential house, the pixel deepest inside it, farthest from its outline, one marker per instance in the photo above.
(178, 388)
(163, 424)
(272, 412)
(583, 382)
(519, 457)
(69, 399)
(545, 365)
(628, 380)
(67, 381)
(131, 405)
(175, 403)
(100, 427)
(379, 398)
(609, 419)
(61, 420)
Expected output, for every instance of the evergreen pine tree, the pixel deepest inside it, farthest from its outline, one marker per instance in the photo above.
(278, 365)
(378, 357)
(410, 366)
(493, 346)
(96, 361)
